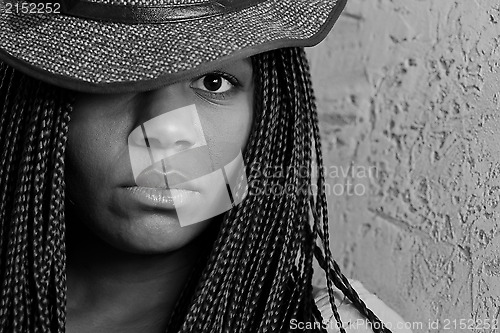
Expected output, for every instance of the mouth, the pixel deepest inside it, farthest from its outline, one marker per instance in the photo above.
(157, 197)
(156, 176)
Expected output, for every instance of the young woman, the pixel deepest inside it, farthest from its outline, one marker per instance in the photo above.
(137, 138)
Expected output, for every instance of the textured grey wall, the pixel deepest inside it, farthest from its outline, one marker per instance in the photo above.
(411, 88)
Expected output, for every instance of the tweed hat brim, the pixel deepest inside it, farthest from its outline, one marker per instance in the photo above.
(109, 57)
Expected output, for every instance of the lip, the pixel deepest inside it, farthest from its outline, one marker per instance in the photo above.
(154, 177)
(162, 198)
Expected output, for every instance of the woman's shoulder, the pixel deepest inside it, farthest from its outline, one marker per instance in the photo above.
(352, 320)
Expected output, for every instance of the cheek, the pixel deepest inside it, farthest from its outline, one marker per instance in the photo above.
(227, 133)
(94, 150)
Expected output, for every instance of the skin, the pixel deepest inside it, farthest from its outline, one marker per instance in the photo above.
(128, 262)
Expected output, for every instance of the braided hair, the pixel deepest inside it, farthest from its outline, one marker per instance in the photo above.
(33, 129)
(257, 275)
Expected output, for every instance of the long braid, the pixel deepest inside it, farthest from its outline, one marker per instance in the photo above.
(296, 213)
(33, 127)
(57, 227)
(307, 110)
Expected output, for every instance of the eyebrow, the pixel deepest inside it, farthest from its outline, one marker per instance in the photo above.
(246, 63)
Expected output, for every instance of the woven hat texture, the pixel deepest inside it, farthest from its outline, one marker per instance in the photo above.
(91, 54)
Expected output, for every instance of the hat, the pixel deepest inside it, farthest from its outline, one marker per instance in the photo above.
(108, 46)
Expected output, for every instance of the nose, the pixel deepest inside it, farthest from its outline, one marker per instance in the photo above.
(172, 131)
(168, 123)
(168, 134)
(170, 127)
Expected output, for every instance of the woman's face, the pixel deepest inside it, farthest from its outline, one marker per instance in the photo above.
(140, 165)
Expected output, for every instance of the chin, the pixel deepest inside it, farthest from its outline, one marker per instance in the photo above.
(151, 234)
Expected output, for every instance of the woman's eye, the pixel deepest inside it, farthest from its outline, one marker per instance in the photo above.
(213, 83)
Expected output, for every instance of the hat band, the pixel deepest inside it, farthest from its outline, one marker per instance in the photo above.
(151, 14)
